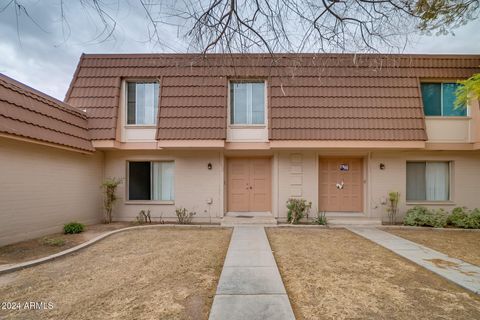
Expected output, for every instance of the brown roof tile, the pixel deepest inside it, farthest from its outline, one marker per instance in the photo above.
(28, 113)
(324, 96)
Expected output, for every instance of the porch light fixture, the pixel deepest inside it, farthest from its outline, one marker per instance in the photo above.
(209, 166)
(382, 166)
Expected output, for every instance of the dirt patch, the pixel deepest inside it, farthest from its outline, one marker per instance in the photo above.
(455, 243)
(335, 274)
(39, 247)
(159, 273)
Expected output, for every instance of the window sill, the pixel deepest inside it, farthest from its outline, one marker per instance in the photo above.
(247, 126)
(431, 203)
(448, 117)
(149, 202)
(141, 126)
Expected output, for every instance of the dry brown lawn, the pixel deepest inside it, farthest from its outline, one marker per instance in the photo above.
(335, 274)
(464, 245)
(160, 273)
(37, 248)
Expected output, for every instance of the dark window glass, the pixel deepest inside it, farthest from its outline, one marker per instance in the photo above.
(139, 181)
(131, 102)
(416, 181)
(432, 98)
(449, 98)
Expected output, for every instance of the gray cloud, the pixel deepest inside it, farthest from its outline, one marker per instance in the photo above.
(45, 58)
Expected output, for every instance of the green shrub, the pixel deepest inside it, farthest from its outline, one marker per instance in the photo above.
(457, 216)
(73, 227)
(439, 218)
(53, 242)
(297, 209)
(465, 219)
(418, 216)
(321, 219)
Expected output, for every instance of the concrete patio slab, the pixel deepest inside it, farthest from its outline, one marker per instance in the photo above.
(458, 271)
(251, 307)
(250, 286)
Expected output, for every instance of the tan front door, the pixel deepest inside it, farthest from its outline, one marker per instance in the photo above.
(249, 184)
(340, 184)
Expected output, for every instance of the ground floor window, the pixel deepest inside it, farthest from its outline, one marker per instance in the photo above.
(151, 180)
(428, 181)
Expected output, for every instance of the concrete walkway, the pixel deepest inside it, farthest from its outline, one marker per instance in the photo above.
(460, 272)
(250, 286)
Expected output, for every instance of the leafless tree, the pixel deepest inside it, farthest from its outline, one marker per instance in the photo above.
(285, 25)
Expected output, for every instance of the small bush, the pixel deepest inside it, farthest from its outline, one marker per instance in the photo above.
(461, 218)
(457, 216)
(73, 227)
(418, 216)
(144, 217)
(321, 219)
(184, 216)
(297, 209)
(53, 242)
(439, 218)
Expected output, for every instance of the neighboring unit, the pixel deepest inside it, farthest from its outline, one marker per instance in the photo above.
(241, 134)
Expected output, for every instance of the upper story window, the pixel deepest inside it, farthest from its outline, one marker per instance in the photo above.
(142, 103)
(247, 102)
(439, 99)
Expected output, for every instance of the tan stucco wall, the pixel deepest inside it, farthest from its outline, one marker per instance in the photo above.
(42, 188)
(298, 177)
(465, 184)
(194, 184)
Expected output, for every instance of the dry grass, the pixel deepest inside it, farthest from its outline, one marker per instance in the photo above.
(161, 273)
(335, 274)
(37, 248)
(455, 243)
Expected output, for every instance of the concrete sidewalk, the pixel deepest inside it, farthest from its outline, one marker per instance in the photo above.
(250, 286)
(460, 272)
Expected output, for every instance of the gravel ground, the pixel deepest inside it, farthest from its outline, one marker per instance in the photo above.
(335, 274)
(160, 273)
(458, 244)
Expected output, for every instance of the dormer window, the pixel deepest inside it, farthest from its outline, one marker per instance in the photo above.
(247, 102)
(142, 103)
(439, 98)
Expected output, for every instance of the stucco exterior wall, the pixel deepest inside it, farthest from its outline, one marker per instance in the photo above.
(42, 188)
(464, 185)
(297, 177)
(195, 184)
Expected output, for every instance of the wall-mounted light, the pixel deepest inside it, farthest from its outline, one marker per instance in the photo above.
(382, 166)
(209, 166)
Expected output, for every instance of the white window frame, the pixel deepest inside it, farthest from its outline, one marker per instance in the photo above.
(265, 105)
(127, 183)
(125, 108)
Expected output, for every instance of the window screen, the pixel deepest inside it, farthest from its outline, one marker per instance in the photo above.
(142, 102)
(139, 181)
(151, 180)
(247, 102)
(428, 181)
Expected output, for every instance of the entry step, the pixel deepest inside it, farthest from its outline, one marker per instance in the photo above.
(248, 218)
(351, 219)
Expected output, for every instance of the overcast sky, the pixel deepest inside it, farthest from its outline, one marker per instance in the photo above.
(44, 56)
